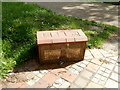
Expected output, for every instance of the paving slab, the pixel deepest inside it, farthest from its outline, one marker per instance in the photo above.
(81, 82)
(69, 76)
(111, 84)
(95, 52)
(86, 74)
(50, 78)
(115, 76)
(88, 54)
(92, 67)
(73, 86)
(94, 85)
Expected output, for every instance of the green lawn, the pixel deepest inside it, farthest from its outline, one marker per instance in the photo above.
(21, 21)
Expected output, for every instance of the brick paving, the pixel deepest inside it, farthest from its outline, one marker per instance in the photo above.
(92, 72)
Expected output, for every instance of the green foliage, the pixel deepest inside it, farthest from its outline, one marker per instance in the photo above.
(20, 23)
(6, 65)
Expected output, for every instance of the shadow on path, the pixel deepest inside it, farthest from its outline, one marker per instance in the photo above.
(34, 65)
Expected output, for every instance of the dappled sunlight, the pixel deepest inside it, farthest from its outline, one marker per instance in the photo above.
(75, 7)
(89, 4)
(103, 13)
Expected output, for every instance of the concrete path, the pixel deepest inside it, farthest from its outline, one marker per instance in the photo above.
(103, 13)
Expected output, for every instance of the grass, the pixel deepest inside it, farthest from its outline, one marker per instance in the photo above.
(19, 26)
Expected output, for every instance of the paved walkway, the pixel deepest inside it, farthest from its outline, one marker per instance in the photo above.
(99, 12)
(99, 69)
